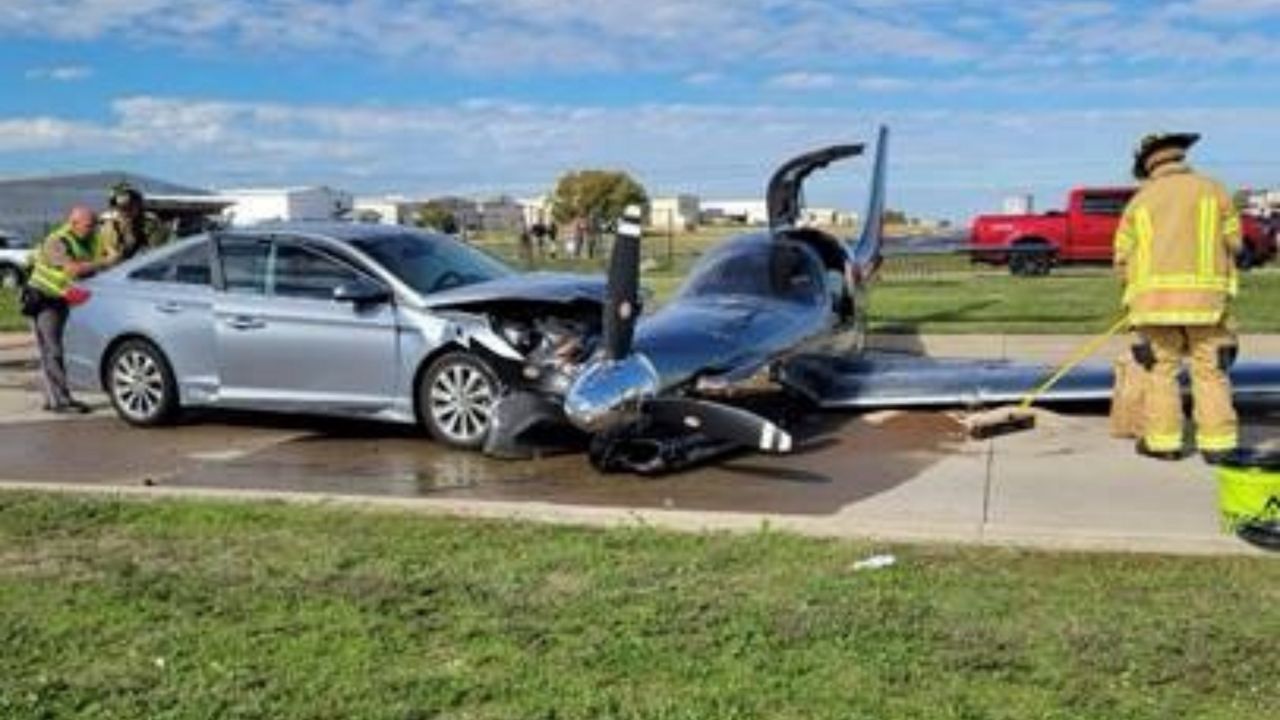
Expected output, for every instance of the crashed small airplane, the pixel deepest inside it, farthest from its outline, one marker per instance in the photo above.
(783, 308)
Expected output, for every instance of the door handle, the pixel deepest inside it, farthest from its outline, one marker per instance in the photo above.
(246, 322)
(169, 307)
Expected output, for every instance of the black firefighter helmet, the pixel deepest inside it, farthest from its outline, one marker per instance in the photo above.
(1156, 142)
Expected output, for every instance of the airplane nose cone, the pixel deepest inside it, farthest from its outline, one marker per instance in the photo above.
(608, 393)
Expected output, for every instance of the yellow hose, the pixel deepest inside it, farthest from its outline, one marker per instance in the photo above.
(1084, 352)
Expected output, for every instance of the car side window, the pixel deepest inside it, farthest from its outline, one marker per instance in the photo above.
(186, 267)
(300, 272)
(244, 265)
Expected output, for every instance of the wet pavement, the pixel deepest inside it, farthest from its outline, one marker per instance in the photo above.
(843, 461)
(893, 475)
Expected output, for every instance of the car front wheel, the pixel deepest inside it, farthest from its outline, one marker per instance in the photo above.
(141, 384)
(457, 398)
(10, 276)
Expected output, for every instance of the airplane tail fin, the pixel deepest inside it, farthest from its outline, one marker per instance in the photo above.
(865, 251)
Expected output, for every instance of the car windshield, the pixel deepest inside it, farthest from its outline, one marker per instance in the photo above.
(429, 263)
(778, 269)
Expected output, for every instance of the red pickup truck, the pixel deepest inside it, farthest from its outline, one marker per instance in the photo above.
(1033, 244)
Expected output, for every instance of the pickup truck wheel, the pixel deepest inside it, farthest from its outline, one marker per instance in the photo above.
(1245, 258)
(1030, 260)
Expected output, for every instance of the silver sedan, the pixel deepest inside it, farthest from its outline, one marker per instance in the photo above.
(343, 319)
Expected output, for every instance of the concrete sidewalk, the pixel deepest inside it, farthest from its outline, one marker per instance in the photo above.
(1064, 485)
(1042, 348)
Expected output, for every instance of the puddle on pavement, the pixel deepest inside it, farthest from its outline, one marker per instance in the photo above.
(844, 460)
(102, 450)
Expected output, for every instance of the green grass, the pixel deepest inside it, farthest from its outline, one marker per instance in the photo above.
(113, 609)
(10, 319)
(1084, 301)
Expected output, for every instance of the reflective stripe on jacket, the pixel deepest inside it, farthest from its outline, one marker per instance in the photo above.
(1176, 244)
(48, 276)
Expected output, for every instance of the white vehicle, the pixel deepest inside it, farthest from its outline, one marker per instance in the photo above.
(13, 261)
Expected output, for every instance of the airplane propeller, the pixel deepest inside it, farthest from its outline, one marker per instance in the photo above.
(622, 302)
(623, 378)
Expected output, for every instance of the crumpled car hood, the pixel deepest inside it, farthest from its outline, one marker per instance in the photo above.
(526, 287)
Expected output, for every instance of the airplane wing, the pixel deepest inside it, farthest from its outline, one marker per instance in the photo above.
(895, 380)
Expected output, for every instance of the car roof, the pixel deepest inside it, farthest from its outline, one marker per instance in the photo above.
(335, 230)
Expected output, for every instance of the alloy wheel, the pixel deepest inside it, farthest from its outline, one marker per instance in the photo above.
(138, 385)
(461, 403)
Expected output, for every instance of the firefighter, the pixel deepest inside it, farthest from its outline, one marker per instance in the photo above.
(68, 253)
(126, 228)
(1174, 249)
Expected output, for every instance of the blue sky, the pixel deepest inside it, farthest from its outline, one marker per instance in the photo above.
(985, 99)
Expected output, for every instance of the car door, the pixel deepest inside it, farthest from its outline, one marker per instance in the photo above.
(175, 293)
(1094, 233)
(285, 344)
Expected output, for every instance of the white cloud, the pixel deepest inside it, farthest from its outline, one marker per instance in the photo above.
(1225, 10)
(62, 73)
(702, 78)
(950, 163)
(684, 37)
(48, 133)
(882, 83)
(488, 35)
(803, 81)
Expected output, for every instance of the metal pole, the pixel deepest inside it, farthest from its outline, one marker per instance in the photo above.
(671, 242)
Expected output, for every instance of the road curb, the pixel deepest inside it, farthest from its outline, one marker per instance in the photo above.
(832, 527)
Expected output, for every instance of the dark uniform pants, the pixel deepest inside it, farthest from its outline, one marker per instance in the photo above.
(49, 323)
(1215, 417)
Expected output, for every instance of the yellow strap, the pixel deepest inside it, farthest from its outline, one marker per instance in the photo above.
(1085, 351)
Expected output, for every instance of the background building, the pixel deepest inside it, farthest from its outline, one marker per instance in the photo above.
(500, 214)
(828, 217)
(391, 210)
(750, 212)
(255, 205)
(1021, 204)
(677, 213)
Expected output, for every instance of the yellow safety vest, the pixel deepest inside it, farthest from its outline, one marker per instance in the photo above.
(50, 279)
(1177, 240)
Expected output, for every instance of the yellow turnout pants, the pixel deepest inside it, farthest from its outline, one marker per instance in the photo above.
(1215, 417)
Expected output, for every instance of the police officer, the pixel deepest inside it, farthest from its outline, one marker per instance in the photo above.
(126, 229)
(68, 253)
(1175, 249)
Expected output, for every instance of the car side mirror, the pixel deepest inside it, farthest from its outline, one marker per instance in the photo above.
(362, 292)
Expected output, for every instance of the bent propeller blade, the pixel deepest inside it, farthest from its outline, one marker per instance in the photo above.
(721, 422)
(622, 305)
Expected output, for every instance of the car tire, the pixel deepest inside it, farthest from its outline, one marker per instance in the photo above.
(456, 399)
(1031, 260)
(11, 276)
(140, 384)
(1245, 258)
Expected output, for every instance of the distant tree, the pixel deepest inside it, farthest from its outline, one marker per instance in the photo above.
(895, 217)
(1241, 198)
(436, 216)
(598, 194)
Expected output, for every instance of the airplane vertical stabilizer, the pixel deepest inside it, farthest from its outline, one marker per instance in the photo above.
(866, 249)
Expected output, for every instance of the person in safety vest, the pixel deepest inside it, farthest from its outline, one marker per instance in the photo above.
(70, 252)
(126, 229)
(1174, 249)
